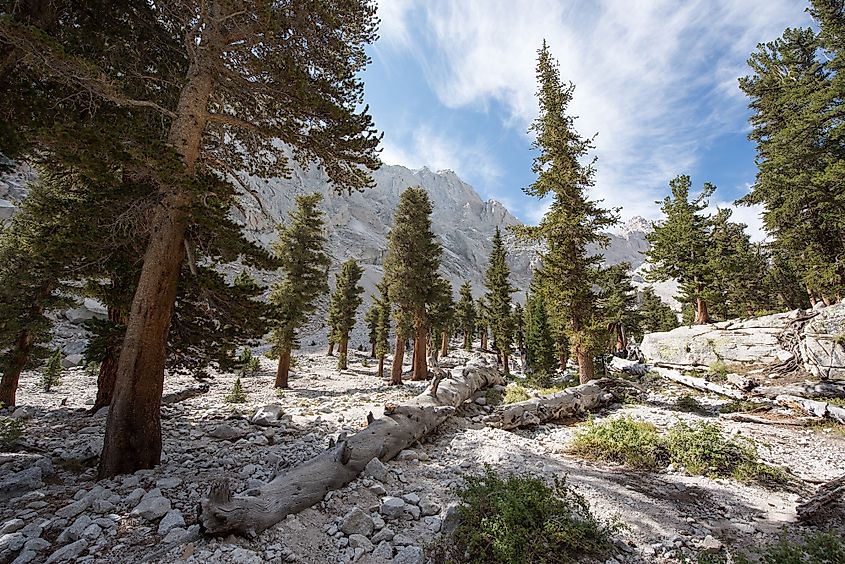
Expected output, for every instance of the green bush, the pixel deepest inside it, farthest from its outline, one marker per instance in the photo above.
(515, 394)
(237, 395)
(519, 520)
(539, 379)
(249, 363)
(52, 373)
(718, 371)
(689, 404)
(493, 397)
(623, 440)
(11, 431)
(812, 548)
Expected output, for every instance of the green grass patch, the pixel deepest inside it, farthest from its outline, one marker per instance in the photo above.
(516, 520)
(689, 404)
(701, 449)
(11, 432)
(718, 371)
(515, 393)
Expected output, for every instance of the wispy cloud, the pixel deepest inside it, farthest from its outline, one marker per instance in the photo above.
(656, 79)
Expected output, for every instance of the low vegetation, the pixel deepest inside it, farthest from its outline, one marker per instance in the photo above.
(237, 395)
(689, 404)
(826, 547)
(248, 363)
(700, 449)
(52, 374)
(516, 519)
(11, 431)
(739, 406)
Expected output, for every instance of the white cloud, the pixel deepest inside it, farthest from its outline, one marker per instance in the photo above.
(655, 78)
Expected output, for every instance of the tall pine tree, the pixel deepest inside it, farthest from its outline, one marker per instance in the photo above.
(382, 337)
(573, 221)
(301, 250)
(499, 292)
(413, 257)
(465, 314)
(655, 316)
(540, 355)
(344, 304)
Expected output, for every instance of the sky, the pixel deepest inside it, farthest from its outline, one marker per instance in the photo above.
(452, 86)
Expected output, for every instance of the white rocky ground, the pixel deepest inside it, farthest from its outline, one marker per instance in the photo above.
(390, 515)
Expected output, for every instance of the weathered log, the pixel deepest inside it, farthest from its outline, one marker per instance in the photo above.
(825, 497)
(182, 395)
(741, 382)
(814, 407)
(383, 438)
(808, 389)
(751, 418)
(567, 403)
(698, 383)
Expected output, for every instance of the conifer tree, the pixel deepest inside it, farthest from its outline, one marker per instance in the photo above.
(679, 245)
(213, 110)
(539, 346)
(301, 250)
(413, 257)
(52, 373)
(519, 327)
(441, 318)
(344, 305)
(465, 314)
(482, 313)
(573, 222)
(371, 318)
(655, 316)
(499, 292)
(382, 305)
(618, 305)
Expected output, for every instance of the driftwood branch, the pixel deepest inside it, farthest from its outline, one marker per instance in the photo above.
(808, 389)
(567, 403)
(699, 383)
(763, 420)
(826, 496)
(383, 438)
(814, 407)
(182, 395)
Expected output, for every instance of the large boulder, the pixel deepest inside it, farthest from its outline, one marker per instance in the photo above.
(822, 343)
(749, 341)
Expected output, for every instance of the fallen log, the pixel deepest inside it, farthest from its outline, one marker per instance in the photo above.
(182, 395)
(814, 407)
(698, 383)
(750, 418)
(567, 403)
(383, 438)
(827, 495)
(808, 389)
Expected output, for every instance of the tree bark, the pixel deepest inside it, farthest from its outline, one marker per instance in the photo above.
(701, 315)
(467, 345)
(563, 360)
(308, 483)
(283, 369)
(815, 508)
(133, 430)
(398, 359)
(380, 372)
(331, 348)
(814, 407)
(373, 349)
(484, 340)
(109, 365)
(568, 403)
(17, 362)
(444, 343)
(343, 350)
(586, 365)
(420, 361)
(506, 363)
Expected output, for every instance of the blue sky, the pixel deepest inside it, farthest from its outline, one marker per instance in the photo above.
(452, 86)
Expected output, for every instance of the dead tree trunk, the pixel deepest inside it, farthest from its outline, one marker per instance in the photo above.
(825, 498)
(698, 383)
(308, 483)
(569, 402)
(814, 407)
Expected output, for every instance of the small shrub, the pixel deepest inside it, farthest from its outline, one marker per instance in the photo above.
(280, 393)
(493, 397)
(52, 374)
(689, 404)
(813, 548)
(11, 431)
(539, 379)
(515, 393)
(92, 369)
(517, 520)
(624, 440)
(248, 363)
(237, 395)
(718, 371)
(364, 362)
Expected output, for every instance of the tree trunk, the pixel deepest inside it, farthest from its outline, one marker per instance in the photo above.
(398, 359)
(109, 364)
(506, 363)
(701, 312)
(331, 348)
(307, 484)
(17, 362)
(563, 359)
(380, 372)
(373, 349)
(420, 362)
(568, 403)
(698, 383)
(444, 343)
(467, 345)
(484, 340)
(133, 430)
(586, 365)
(283, 369)
(621, 341)
(433, 351)
(343, 350)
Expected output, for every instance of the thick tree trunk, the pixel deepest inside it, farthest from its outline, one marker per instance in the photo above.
(106, 378)
(17, 362)
(420, 361)
(307, 484)
(133, 430)
(444, 343)
(343, 350)
(701, 315)
(563, 359)
(568, 403)
(398, 360)
(818, 507)
(380, 372)
(484, 340)
(283, 369)
(621, 341)
(331, 348)
(586, 365)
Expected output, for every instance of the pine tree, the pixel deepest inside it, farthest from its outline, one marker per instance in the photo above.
(573, 221)
(344, 305)
(371, 318)
(519, 327)
(679, 245)
(499, 292)
(465, 314)
(540, 355)
(618, 305)
(237, 395)
(655, 316)
(52, 374)
(413, 257)
(795, 92)
(441, 318)
(482, 313)
(301, 250)
(382, 304)
(214, 110)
